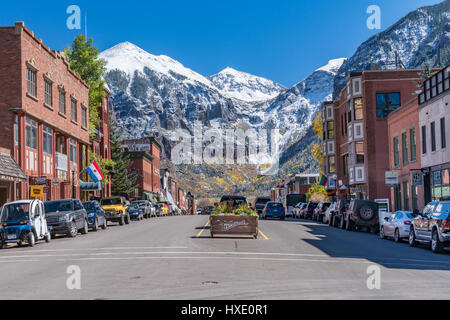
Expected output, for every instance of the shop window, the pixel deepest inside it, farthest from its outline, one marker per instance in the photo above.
(405, 196)
(47, 140)
(73, 150)
(31, 133)
(414, 198)
(397, 198)
(61, 145)
(386, 103)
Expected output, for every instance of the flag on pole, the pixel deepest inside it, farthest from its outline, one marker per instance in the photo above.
(94, 171)
(323, 180)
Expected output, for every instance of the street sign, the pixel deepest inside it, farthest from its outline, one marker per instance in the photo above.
(416, 178)
(46, 189)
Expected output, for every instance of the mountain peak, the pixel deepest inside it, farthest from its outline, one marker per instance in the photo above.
(333, 65)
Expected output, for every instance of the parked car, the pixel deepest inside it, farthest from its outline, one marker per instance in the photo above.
(147, 206)
(208, 210)
(23, 221)
(298, 208)
(236, 201)
(274, 210)
(362, 214)
(432, 226)
(167, 209)
(66, 217)
(260, 204)
(339, 213)
(135, 211)
(397, 226)
(327, 218)
(116, 210)
(319, 211)
(96, 215)
(199, 211)
(159, 209)
(307, 213)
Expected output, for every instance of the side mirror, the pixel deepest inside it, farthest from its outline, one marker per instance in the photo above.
(386, 219)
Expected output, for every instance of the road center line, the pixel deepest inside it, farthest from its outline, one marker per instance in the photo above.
(203, 229)
(262, 234)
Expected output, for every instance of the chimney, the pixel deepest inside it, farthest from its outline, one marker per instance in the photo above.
(18, 27)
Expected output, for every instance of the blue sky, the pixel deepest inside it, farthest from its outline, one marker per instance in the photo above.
(281, 40)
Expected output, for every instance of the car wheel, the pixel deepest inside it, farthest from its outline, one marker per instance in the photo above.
(31, 239)
(397, 235)
(105, 224)
(412, 238)
(127, 219)
(95, 227)
(382, 235)
(366, 213)
(73, 230)
(85, 229)
(436, 244)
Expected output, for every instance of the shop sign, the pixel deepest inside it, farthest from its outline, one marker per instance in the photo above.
(36, 192)
(391, 178)
(416, 178)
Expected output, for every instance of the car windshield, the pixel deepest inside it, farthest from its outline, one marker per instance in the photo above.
(111, 201)
(134, 206)
(139, 203)
(89, 205)
(275, 205)
(15, 212)
(55, 206)
(262, 200)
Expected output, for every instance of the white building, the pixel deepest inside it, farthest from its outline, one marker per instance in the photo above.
(434, 121)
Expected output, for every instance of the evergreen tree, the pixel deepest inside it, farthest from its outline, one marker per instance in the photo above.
(83, 59)
(123, 182)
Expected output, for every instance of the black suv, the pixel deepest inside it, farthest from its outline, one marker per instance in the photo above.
(236, 200)
(66, 217)
(432, 226)
(362, 213)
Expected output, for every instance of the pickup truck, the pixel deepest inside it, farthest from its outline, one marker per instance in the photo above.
(66, 217)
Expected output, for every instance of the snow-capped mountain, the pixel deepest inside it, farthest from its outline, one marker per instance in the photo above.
(415, 38)
(244, 86)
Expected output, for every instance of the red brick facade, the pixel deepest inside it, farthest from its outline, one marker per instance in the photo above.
(37, 132)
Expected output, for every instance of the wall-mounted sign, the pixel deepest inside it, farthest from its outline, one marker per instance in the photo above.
(38, 181)
(416, 178)
(36, 192)
(391, 178)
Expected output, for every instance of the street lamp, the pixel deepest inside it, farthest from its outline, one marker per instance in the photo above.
(73, 184)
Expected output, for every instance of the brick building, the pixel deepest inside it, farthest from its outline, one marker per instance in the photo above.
(360, 118)
(329, 147)
(44, 110)
(404, 157)
(145, 160)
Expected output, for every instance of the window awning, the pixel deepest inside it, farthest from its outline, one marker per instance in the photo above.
(10, 170)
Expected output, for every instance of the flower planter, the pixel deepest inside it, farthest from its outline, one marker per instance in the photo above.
(234, 225)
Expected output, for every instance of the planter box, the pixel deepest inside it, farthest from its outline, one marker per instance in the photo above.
(234, 225)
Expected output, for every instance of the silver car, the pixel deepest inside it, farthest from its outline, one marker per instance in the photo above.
(397, 226)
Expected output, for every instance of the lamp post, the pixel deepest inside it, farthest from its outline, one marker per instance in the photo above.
(73, 184)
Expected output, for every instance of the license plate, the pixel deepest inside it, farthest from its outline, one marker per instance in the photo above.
(11, 236)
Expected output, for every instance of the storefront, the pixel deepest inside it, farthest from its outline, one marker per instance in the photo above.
(10, 177)
(440, 182)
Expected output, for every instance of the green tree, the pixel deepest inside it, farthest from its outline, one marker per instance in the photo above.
(84, 60)
(123, 182)
(317, 193)
(316, 149)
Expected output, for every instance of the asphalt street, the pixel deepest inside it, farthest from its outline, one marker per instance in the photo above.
(174, 258)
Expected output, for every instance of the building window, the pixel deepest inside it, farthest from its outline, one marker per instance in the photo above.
(47, 140)
(31, 82)
(73, 109)
(349, 111)
(424, 140)
(414, 198)
(397, 198)
(404, 148)
(16, 130)
(61, 144)
(84, 116)
(330, 130)
(62, 101)
(359, 152)
(356, 86)
(330, 112)
(433, 136)
(73, 150)
(412, 142)
(358, 109)
(332, 164)
(405, 196)
(31, 133)
(345, 164)
(48, 93)
(387, 102)
(443, 140)
(396, 155)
